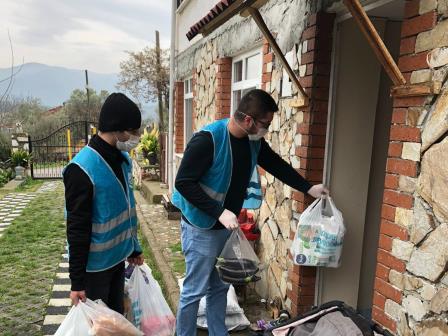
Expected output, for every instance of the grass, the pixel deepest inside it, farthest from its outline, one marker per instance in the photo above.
(29, 185)
(178, 261)
(150, 260)
(3, 193)
(179, 266)
(176, 247)
(30, 251)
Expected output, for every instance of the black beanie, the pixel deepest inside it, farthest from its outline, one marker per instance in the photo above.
(119, 113)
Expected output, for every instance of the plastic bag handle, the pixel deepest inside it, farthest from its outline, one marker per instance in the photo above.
(327, 209)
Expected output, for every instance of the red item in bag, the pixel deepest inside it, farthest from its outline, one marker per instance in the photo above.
(158, 325)
(248, 226)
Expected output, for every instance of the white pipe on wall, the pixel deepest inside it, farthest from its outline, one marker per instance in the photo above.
(171, 102)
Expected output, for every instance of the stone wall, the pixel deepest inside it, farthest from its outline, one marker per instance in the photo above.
(205, 87)
(411, 287)
(291, 131)
(275, 216)
(286, 17)
(298, 136)
(19, 141)
(411, 284)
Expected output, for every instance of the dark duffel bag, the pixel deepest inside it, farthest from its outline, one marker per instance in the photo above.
(334, 311)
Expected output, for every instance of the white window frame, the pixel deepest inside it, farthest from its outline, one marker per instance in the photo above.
(187, 96)
(245, 83)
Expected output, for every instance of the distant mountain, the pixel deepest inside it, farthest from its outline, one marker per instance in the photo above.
(53, 84)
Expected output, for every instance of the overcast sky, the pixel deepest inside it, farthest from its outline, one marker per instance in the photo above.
(81, 34)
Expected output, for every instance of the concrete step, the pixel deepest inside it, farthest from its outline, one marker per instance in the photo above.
(172, 212)
(152, 191)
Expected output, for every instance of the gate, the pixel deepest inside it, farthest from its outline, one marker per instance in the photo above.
(51, 154)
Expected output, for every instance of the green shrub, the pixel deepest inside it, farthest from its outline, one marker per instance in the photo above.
(20, 158)
(5, 176)
(5, 147)
(149, 145)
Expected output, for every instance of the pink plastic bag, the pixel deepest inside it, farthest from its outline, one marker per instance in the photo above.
(151, 312)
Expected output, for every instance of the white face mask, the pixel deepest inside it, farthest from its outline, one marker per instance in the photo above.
(259, 135)
(127, 146)
(253, 137)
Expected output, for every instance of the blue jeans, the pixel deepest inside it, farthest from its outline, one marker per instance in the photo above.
(201, 248)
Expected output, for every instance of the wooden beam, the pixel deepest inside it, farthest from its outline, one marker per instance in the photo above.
(257, 4)
(416, 90)
(375, 41)
(277, 51)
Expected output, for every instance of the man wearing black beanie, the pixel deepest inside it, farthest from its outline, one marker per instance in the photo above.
(101, 216)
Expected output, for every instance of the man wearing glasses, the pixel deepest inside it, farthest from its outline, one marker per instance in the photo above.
(100, 205)
(218, 177)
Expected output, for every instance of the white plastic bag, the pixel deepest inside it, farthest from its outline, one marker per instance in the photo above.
(233, 322)
(235, 318)
(232, 304)
(151, 312)
(76, 323)
(320, 234)
(238, 264)
(95, 319)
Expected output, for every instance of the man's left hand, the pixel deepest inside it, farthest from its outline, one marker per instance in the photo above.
(138, 260)
(318, 190)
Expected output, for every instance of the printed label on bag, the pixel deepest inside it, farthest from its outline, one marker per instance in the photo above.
(300, 259)
(137, 313)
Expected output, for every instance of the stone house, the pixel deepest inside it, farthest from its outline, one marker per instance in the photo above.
(377, 135)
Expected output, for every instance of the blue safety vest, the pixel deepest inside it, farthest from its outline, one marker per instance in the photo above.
(216, 180)
(114, 220)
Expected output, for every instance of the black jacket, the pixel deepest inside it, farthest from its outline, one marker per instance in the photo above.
(198, 158)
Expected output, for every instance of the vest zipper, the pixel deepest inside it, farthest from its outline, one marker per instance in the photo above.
(231, 162)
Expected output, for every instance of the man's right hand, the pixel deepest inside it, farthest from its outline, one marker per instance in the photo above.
(75, 296)
(229, 220)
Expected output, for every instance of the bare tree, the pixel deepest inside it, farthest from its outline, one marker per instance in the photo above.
(144, 78)
(6, 103)
(10, 78)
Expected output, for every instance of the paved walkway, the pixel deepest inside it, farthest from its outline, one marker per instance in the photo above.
(13, 204)
(60, 303)
(11, 207)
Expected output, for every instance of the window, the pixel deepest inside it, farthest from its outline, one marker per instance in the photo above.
(246, 75)
(188, 110)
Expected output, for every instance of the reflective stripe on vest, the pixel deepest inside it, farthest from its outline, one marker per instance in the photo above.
(113, 223)
(100, 247)
(217, 196)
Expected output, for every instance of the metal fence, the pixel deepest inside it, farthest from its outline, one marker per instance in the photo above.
(52, 153)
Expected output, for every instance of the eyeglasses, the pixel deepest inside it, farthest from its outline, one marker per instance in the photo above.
(263, 123)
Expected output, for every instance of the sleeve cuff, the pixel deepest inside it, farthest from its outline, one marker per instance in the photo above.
(307, 187)
(134, 254)
(78, 286)
(217, 212)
